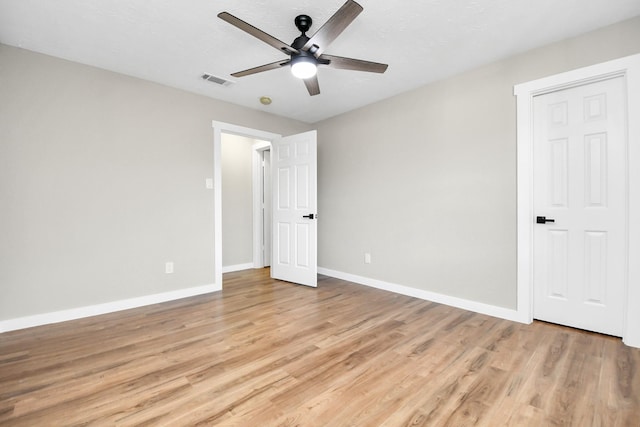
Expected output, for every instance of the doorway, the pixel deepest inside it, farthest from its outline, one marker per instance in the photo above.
(220, 128)
(628, 70)
(238, 186)
(294, 202)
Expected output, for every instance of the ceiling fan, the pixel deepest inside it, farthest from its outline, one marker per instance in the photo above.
(306, 54)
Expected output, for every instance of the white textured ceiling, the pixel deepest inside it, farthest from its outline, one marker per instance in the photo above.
(174, 42)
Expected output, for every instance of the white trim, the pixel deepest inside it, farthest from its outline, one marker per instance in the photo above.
(217, 204)
(631, 335)
(109, 307)
(477, 307)
(218, 129)
(629, 69)
(237, 267)
(257, 185)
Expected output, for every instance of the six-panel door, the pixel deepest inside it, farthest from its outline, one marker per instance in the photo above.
(294, 254)
(580, 183)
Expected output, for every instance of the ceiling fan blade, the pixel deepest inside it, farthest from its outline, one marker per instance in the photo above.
(312, 85)
(333, 27)
(257, 33)
(354, 64)
(261, 68)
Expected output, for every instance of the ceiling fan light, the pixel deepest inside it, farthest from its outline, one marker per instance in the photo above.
(303, 68)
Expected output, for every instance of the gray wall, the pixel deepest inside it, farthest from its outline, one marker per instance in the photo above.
(102, 180)
(426, 181)
(237, 200)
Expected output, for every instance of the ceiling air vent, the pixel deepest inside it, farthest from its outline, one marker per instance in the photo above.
(217, 80)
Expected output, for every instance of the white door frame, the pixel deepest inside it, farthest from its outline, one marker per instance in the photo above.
(258, 150)
(218, 129)
(629, 69)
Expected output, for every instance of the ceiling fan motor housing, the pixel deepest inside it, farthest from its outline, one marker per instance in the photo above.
(303, 23)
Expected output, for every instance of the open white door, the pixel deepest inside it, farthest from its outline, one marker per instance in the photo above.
(294, 196)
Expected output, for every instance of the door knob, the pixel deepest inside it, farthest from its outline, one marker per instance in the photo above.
(310, 216)
(544, 220)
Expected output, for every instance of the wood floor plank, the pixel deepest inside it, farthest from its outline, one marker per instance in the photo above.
(270, 353)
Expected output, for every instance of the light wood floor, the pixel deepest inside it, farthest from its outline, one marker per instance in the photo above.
(265, 353)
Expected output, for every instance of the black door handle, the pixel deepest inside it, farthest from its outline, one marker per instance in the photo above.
(310, 216)
(543, 220)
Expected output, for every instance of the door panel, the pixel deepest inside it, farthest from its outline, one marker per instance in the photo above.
(580, 182)
(295, 196)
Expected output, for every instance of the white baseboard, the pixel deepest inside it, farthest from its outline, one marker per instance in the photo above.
(109, 307)
(94, 310)
(631, 342)
(237, 267)
(477, 307)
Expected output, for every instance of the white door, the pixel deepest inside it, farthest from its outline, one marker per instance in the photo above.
(294, 188)
(266, 208)
(580, 193)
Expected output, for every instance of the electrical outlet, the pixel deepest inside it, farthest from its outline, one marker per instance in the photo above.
(367, 258)
(168, 268)
(208, 183)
